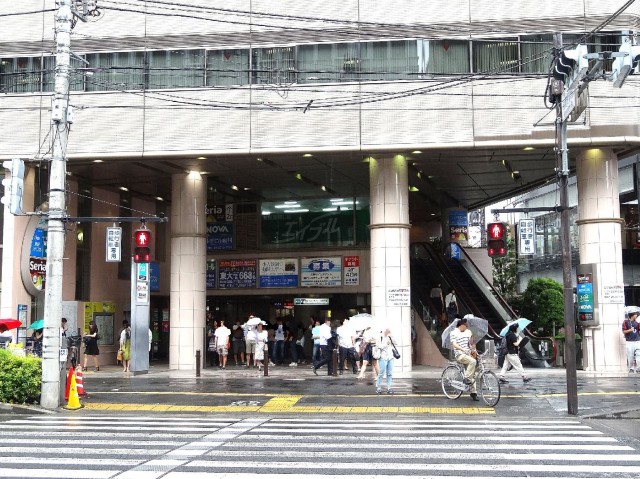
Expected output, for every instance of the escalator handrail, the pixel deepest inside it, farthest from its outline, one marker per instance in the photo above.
(492, 334)
(442, 264)
(460, 291)
(503, 302)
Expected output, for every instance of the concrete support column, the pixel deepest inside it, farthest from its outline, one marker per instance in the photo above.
(188, 276)
(599, 230)
(390, 249)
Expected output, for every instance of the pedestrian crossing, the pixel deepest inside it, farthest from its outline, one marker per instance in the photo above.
(202, 447)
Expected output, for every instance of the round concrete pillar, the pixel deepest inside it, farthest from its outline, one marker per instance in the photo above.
(188, 275)
(390, 275)
(600, 236)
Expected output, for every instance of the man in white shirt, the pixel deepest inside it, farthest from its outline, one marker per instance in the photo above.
(463, 348)
(325, 349)
(221, 336)
(346, 349)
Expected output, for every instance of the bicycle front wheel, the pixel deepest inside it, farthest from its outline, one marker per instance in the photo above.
(451, 376)
(489, 388)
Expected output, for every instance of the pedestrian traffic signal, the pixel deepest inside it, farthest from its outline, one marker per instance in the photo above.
(496, 240)
(570, 64)
(626, 65)
(142, 246)
(13, 186)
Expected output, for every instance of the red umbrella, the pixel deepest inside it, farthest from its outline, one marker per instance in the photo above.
(6, 324)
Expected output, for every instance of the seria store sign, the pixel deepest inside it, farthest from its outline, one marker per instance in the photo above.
(33, 264)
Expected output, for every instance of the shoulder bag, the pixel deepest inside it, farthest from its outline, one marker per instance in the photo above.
(396, 354)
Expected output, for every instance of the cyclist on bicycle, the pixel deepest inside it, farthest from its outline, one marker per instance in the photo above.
(465, 353)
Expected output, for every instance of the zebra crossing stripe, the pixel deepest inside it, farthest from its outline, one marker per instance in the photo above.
(285, 407)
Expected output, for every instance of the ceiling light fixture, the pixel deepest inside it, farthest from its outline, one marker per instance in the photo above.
(416, 152)
(98, 161)
(201, 158)
(124, 188)
(307, 155)
(297, 210)
(159, 198)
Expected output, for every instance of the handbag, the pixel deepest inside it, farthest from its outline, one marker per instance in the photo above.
(375, 352)
(396, 354)
(119, 355)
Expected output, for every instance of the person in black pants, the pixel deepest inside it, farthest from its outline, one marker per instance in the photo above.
(327, 343)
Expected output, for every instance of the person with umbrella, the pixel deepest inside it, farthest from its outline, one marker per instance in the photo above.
(465, 352)
(512, 358)
(631, 331)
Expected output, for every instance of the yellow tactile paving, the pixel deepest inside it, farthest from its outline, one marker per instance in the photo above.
(288, 404)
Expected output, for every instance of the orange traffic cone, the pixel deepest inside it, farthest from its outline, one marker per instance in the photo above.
(79, 382)
(74, 400)
(68, 386)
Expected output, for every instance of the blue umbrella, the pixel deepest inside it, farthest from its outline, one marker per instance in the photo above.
(521, 322)
(39, 324)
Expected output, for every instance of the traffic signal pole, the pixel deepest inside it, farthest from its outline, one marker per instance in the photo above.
(51, 366)
(569, 318)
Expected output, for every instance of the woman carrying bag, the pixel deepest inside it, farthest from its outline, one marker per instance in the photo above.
(386, 351)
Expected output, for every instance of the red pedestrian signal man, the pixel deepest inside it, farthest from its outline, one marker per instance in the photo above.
(142, 248)
(496, 240)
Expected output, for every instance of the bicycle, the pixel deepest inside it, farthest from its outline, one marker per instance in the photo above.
(453, 385)
(72, 343)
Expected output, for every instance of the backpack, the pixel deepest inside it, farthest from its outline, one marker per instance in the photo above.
(501, 349)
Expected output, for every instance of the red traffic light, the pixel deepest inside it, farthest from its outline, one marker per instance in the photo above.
(142, 246)
(497, 239)
(142, 238)
(496, 231)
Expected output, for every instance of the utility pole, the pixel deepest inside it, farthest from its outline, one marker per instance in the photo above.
(569, 318)
(60, 116)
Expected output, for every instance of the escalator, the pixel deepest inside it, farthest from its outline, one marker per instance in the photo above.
(475, 294)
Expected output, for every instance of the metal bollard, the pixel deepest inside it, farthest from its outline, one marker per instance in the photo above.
(265, 361)
(334, 361)
(197, 363)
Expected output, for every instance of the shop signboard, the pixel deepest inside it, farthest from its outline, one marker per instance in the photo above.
(278, 273)
(351, 270)
(237, 273)
(211, 273)
(458, 226)
(322, 271)
(220, 227)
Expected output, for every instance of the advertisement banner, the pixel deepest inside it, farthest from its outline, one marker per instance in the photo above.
(235, 274)
(219, 227)
(458, 226)
(278, 273)
(211, 273)
(351, 270)
(321, 271)
(219, 236)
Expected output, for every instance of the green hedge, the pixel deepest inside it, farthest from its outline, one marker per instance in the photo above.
(20, 378)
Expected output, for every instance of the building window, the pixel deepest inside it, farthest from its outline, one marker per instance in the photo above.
(20, 75)
(83, 245)
(176, 69)
(274, 65)
(227, 67)
(115, 71)
(444, 56)
(496, 56)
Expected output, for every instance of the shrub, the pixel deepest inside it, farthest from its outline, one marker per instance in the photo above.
(20, 378)
(543, 303)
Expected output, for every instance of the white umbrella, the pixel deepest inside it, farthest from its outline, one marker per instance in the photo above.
(360, 322)
(254, 321)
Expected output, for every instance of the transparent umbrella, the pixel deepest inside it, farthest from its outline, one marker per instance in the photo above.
(479, 328)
